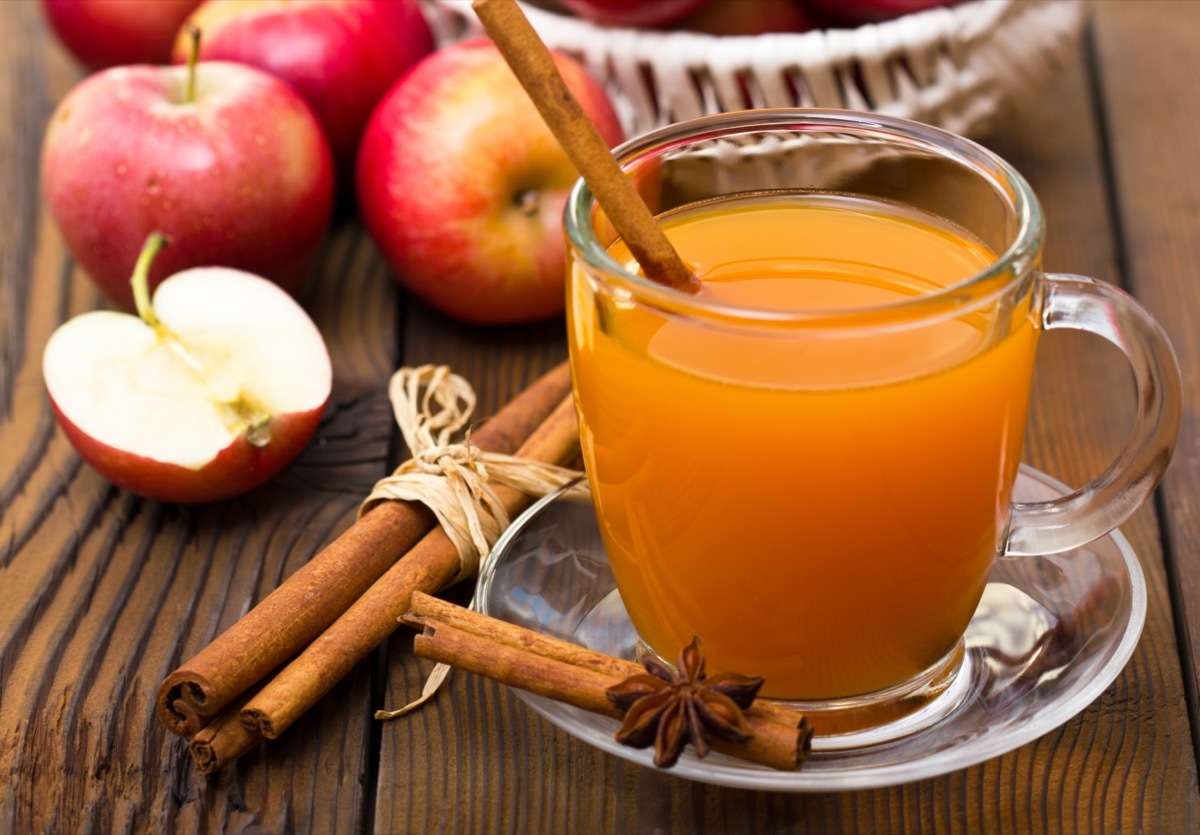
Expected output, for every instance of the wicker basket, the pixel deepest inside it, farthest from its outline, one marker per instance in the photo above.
(961, 67)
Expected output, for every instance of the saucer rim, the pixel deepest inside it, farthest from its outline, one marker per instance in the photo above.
(732, 773)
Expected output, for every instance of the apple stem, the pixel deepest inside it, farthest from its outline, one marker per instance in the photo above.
(141, 277)
(193, 56)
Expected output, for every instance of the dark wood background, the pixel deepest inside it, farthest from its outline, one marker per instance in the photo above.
(102, 594)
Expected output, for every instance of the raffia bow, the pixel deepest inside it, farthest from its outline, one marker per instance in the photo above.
(454, 478)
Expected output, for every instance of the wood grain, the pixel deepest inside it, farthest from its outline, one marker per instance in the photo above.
(425, 774)
(1153, 121)
(104, 593)
(1098, 777)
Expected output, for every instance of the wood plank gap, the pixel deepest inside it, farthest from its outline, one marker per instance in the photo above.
(1109, 184)
(377, 684)
(377, 680)
(1183, 641)
(43, 434)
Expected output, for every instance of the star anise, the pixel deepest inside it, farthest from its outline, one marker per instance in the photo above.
(669, 708)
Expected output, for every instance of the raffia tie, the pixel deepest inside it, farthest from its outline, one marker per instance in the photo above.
(453, 478)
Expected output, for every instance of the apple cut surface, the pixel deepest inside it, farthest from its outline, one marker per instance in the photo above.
(216, 399)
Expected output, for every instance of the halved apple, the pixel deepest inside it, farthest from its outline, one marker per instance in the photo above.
(212, 389)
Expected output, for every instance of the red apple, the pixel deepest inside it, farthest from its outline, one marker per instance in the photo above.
(857, 12)
(634, 13)
(462, 185)
(105, 33)
(748, 17)
(213, 388)
(238, 174)
(340, 55)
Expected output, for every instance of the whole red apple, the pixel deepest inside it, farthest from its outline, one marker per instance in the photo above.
(238, 173)
(462, 185)
(857, 12)
(340, 55)
(748, 17)
(635, 13)
(106, 33)
(213, 388)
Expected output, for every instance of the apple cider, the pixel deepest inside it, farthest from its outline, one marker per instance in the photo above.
(820, 505)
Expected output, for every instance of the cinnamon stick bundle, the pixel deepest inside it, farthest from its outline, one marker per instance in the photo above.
(572, 674)
(311, 599)
(432, 564)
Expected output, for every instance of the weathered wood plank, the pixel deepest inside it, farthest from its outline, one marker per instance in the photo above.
(1098, 773)
(103, 594)
(1146, 51)
(433, 761)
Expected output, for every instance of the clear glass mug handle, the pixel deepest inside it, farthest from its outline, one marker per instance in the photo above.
(1111, 498)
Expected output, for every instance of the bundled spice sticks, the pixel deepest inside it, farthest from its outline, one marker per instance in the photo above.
(430, 565)
(318, 615)
(270, 667)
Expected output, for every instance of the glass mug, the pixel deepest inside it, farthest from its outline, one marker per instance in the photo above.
(809, 463)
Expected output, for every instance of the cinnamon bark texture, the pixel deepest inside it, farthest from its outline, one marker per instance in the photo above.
(430, 565)
(568, 673)
(222, 740)
(311, 599)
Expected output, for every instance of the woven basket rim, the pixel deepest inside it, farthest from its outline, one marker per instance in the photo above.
(959, 66)
(938, 22)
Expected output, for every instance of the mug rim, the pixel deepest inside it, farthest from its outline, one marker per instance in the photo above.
(1008, 268)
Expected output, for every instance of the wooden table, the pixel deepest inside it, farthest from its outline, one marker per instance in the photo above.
(103, 594)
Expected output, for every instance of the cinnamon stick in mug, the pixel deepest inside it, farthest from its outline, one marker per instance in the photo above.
(314, 596)
(531, 62)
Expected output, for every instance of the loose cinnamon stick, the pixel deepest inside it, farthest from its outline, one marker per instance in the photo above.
(432, 564)
(534, 67)
(312, 598)
(538, 664)
(475, 623)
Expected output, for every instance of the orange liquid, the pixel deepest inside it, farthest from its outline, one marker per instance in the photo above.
(822, 509)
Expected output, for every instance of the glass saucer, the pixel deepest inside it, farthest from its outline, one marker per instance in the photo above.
(1050, 634)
